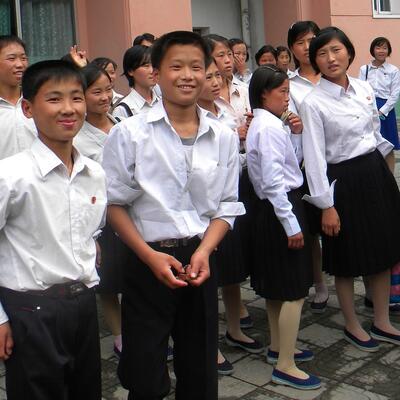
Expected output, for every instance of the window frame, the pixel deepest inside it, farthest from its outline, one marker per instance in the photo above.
(377, 13)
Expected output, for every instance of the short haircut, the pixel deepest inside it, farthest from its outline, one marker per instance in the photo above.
(212, 39)
(297, 31)
(102, 62)
(44, 71)
(135, 57)
(6, 40)
(380, 41)
(323, 38)
(235, 41)
(265, 49)
(281, 49)
(264, 78)
(149, 37)
(161, 45)
(92, 72)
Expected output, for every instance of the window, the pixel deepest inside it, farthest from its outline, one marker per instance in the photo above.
(46, 26)
(386, 8)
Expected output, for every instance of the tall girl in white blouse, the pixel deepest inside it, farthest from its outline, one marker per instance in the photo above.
(350, 182)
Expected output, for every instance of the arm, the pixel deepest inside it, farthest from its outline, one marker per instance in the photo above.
(362, 73)
(394, 93)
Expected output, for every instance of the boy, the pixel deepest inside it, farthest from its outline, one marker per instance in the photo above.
(52, 201)
(17, 132)
(173, 177)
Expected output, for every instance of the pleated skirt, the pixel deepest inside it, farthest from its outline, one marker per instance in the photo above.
(367, 200)
(389, 125)
(280, 273)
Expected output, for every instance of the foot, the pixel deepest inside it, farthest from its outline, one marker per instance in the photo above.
(241, 337)
(294, 371)
(282, 378)
(358, 332)
(388, 328)
(252, 346)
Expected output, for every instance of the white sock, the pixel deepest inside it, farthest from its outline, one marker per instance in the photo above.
(321, 292)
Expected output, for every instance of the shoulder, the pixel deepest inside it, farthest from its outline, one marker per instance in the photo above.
(16, 167)
(220, 129)
(360, 85)
(135, 127)
(392, 68)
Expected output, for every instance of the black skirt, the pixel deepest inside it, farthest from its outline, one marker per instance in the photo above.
(313, 213)
(367, 200)
(234, 256)
(114, 255)
(280, 273)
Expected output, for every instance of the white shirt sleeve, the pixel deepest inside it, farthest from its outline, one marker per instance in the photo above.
(394, 93)
(362, 73)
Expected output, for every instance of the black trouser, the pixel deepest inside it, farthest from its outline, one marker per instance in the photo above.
(56, 354)
(151, 312)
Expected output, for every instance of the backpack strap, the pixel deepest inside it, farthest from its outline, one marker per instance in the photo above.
(366, 72)
(124, 105)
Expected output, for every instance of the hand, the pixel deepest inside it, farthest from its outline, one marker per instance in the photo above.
(242, 131)
(79, 56)
(330, 222)
(199, 269)
(240, 64)
(295, 124)
(98, 254)
(6, 341)
(162, 264)
(296, 241)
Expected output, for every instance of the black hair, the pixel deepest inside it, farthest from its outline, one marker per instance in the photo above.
(161, 45)
(298, 30)
(135, 57)
(264, 78)
(325, 36)
(6, 40)
(102, 62)
(92, 72)
(380, 41)
(149, 37)
(281, 49)
(52, 70)
(235, 41)
(265, 49)
(212, 39)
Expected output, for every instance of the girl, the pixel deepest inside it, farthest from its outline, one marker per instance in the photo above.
(240, 57)
(282, 272)
(385, 80)
(266, 55)
(351, 183)
(139, 73)
(302, 81)
(90, 142)
(283, 59)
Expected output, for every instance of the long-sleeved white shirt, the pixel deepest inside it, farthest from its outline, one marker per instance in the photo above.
(48, 220)
(273, 166)
(299, 88)
(385, 80)
(146, 170)
(339, 125)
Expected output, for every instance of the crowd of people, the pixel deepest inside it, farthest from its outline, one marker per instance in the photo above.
(205, 174)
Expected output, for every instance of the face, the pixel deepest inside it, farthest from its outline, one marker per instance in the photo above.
(381, 52)
(301, 46)
(333, 60)
(212, 85)
(111, 72)
(276, 100)
(283, 60)
(143, 76)
(146, 43)
(267, 58)
(13, 63)
(181, 75)
(240, 52)
(58, 110)
(224, 58)
(99, 96)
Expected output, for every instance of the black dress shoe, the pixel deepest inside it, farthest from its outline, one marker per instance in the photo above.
(254, 347)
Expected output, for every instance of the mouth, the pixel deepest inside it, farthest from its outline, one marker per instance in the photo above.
(186, 88)
(216, 92)
(67, 123)
(333, 67)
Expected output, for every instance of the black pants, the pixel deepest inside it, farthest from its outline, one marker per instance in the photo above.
(151, 312)
(56, 354)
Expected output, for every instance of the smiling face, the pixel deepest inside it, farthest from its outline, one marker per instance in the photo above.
(99, 96)
(276, 100)
(13, 63)
(212, 86)
(381, 52)
(181, 75)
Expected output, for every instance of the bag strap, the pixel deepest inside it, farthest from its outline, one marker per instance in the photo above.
(366, 72)
(124, 105)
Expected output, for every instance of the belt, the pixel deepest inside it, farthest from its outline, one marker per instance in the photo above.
(173, 243)
(69, 289)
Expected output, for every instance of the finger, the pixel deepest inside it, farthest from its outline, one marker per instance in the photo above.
(172, 281)
(176, 265)
(193, 270)
(9, 345)
(202, 276)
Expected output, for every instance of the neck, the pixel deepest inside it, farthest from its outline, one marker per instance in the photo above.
(145, 92)
(63, 150)
(377, 63)
(307, 71)
(342, 81)
(208, 105)
(97, 120)
(10, 93)
(180, 114)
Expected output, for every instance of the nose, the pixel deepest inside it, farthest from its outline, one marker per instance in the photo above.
(68, 107)
(331, 56)
(187, 73)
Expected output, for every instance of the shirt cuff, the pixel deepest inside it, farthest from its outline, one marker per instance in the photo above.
(3, 315)
(385, 147)
(228, 211)
(120, 194)
(385, 110)
(291, 225)
(324, 200)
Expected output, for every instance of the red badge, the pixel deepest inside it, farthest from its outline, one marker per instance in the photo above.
(368, 97)
(93, 199)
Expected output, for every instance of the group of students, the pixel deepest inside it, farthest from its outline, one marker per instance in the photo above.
(205, 180)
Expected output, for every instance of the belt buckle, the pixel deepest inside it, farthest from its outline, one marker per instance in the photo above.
(169, 243)
(76, 289)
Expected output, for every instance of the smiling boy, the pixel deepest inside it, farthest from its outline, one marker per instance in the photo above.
(172, 191)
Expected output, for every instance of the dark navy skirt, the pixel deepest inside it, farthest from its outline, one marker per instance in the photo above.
(389, 125)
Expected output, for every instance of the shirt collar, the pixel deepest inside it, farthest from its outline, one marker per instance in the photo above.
(336, 90)
(383, 66)
(140, 101)
(265, 114)
(18, 104)
(296, 75)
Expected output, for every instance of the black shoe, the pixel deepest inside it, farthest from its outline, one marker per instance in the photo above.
(254, 347)
(117, 351)
(225, 368)
(394, 308)
(320, 307)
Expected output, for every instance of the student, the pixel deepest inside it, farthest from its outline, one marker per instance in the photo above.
(282, 273)
(139, 73)
(385, 80)
(49, 335)
(173, 176)
(283, 59)
(266, 55)
(110, 67)
(240, 57)
(351, 183)
(145, 39)
(17, 131)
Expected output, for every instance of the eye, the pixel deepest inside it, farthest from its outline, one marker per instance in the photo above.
(78, 99)
(53, 99)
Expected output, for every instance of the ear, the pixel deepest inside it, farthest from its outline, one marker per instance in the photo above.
(26, 106)
(156, 74)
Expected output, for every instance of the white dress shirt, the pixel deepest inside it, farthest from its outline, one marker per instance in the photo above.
(48, 219)
(136, 103)
(146, 170)
(17, 131)
(90, 141)
(116, 96)
(338, 125)
(273, 167)
(385, 80)
(245, 78)
(299, 88)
